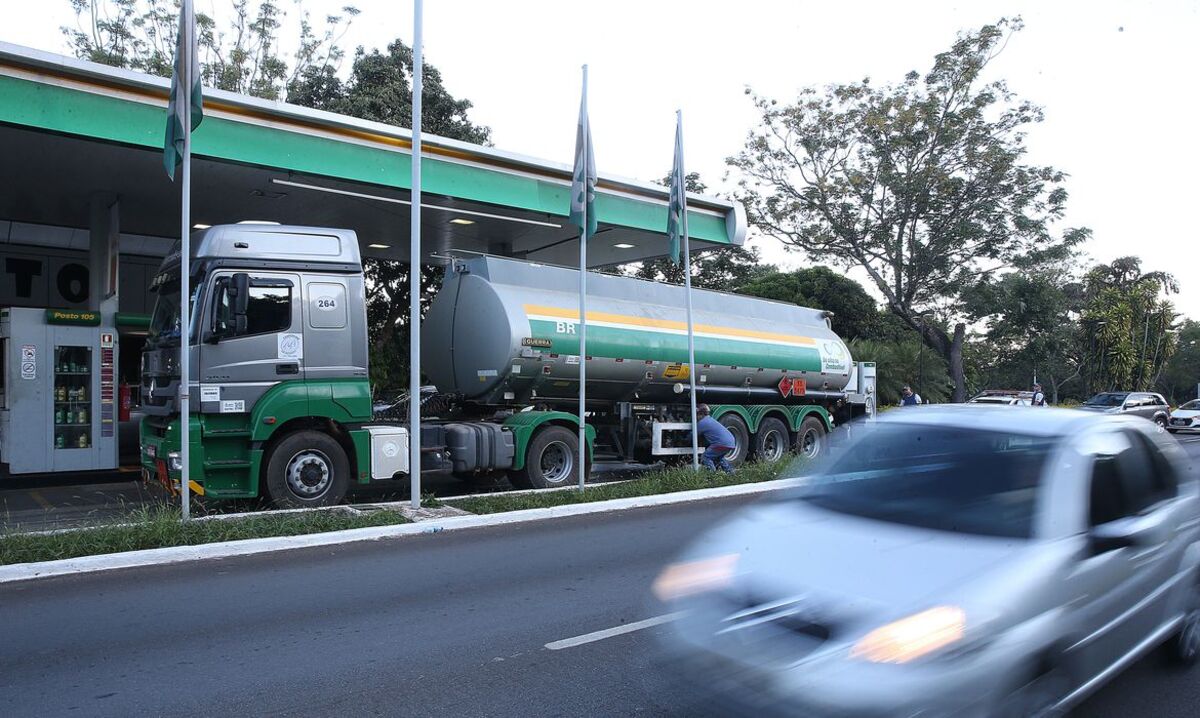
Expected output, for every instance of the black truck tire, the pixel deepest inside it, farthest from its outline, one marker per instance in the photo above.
(811, 438)
(307, 469)
(741, 437)
(773, 440)
(551, 460)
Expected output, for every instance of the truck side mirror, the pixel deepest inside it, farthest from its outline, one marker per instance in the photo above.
(239, 290)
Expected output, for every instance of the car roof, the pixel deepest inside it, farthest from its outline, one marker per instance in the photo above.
(1038, 421)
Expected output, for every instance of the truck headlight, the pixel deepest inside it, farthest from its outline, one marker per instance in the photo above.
(912, 637)
(174, 461)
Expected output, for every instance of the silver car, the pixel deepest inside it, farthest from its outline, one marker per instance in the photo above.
(1145, 404)
(952, 561)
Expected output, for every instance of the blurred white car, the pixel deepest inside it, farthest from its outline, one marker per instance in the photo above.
(1004, 398)
(1186, 417)
(958, 561)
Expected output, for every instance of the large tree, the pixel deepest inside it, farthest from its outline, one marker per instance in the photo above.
(242, 55)
(923, 184)
(1181, 376)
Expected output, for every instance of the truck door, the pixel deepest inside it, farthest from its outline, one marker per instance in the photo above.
(239, 365)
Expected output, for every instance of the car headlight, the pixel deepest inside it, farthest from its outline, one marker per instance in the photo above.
(912, 637)
(680, 580)
(174, 461)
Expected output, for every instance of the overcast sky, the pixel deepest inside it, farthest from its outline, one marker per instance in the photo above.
(1117, 80)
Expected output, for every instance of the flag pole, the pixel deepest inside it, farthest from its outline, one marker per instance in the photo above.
(687, 289)
(185, 274)
(414, 270)
(583, 237)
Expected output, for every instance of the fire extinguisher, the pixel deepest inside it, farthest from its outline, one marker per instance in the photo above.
(126, 402)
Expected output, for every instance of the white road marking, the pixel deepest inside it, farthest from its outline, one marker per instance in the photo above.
(614, 631)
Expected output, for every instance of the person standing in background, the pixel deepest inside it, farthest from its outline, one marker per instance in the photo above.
(909, 397)
(1039, 398)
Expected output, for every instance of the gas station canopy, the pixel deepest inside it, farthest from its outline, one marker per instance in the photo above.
(70, 129)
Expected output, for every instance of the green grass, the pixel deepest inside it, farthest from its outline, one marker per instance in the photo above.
(159, 526)
(665, 481)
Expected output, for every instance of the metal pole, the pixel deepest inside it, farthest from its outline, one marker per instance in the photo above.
(583, 298)
(414, 271)
(185, 269)
(687, 289)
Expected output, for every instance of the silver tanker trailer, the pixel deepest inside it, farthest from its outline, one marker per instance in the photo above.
(284, 406)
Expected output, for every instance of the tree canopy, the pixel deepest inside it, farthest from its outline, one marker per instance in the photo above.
(923, 184)
(855, 314)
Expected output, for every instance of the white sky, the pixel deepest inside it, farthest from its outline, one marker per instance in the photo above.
(1117, 80)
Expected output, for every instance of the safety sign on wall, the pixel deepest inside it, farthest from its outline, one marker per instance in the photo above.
(28, 361)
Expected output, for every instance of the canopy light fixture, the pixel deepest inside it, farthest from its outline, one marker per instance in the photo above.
(201, 226)
(379, 246)
(393, 200)
(460, 220)
(624, 245)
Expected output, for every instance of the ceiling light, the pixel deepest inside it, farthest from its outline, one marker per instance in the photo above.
(379, 246)
(460, 220)
(201, 226)
(623, 245)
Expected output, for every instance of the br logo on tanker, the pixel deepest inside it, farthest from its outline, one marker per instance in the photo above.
(833, 357)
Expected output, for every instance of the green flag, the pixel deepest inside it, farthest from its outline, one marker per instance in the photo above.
(678, 203)
(187, 71)
(583, 178)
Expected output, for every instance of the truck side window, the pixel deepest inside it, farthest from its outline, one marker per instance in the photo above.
(269, 310)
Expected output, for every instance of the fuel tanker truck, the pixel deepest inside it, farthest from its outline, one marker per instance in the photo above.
(282, 402)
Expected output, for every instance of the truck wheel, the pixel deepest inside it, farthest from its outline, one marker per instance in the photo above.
(741, 437)
(771, 441)
(307, 469)
(551, 460)
(810, 439)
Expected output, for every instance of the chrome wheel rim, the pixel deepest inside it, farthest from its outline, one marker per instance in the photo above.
(557, 462)
(773, 446)
(309, 474)
(810, 443)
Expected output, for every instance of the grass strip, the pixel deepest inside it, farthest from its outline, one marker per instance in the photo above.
(664, 481)
(158, 526)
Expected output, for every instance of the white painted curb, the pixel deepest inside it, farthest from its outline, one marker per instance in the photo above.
(248, 547)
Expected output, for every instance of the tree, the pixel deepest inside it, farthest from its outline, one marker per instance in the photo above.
(1181, 376)
(855, 313)
(725, 269)
(906, 362)
(1128, 325)
(1031, 325)
(921, 184)
(244, 57)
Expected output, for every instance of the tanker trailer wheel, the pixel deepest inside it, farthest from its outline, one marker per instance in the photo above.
(772, 441)
(741, 437)
(306, 469)
(551, 460)
(811, 438)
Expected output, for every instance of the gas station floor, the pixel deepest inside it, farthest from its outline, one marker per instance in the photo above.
(68, 502)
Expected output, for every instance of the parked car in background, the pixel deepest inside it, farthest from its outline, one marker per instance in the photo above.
(1005, 397)
(1134, 403)
(1186, 417)
(887, 585)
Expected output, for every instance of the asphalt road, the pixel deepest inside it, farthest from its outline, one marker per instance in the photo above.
(450, 624)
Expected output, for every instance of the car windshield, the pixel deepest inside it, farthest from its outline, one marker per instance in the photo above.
(1193, 405)
(1107, 399)
(970, 481)
(992, 400)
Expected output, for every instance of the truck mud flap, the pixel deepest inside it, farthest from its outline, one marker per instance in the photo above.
(479, 448)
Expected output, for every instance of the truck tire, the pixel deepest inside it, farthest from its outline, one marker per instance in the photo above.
(772, 442)
(551, 460)
(307, 469)
(741, 437)
(811, 438)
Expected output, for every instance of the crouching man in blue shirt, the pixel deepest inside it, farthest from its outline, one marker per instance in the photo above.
(717, 439)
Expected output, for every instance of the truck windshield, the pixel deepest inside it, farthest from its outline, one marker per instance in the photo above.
(164, 324)
(970, 481)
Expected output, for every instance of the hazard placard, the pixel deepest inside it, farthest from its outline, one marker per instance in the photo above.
(799, 387)
(785, 387)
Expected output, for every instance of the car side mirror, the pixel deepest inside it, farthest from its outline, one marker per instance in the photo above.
(1121, 533)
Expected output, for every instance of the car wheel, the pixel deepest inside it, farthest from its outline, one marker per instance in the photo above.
(1184, 647)
(1161, 421)
(1039, 698)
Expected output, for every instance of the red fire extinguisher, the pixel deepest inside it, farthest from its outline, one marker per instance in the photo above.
(126, 402)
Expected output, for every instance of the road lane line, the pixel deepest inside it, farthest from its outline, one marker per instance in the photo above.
(41, 500)
(614, 631)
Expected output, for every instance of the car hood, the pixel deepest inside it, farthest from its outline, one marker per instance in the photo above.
(1099, 409)
(1185, 414)
(790, 548)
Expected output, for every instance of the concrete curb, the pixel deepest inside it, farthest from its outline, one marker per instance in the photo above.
(249, 547)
